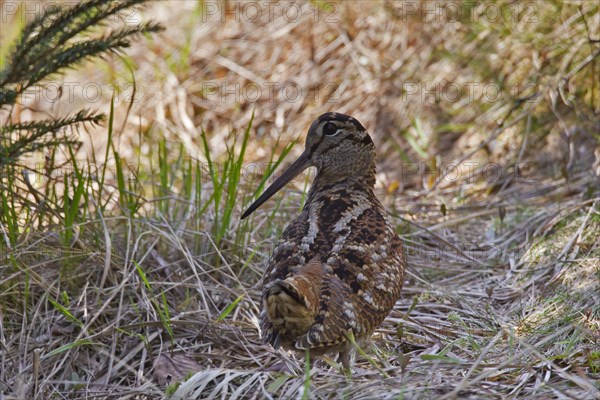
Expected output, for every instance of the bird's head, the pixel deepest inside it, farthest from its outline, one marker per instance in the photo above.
(338, 146)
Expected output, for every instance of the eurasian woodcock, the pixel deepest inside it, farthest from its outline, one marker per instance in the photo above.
(338, 268)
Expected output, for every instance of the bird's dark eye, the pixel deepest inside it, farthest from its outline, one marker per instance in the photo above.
(330, 129)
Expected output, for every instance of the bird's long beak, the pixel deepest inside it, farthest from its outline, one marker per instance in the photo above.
(298, 166)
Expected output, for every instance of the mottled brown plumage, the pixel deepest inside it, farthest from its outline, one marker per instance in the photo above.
(338, 267)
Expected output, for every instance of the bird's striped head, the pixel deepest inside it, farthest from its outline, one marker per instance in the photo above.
(338, 146)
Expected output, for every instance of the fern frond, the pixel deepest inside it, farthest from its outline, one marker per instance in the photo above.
(45, 46)
(35, 135)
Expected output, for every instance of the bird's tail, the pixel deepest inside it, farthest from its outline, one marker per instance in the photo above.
(292, 303)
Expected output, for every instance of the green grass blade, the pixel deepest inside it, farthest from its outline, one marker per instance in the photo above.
(69, 346)
(230, 308)
(65, 312)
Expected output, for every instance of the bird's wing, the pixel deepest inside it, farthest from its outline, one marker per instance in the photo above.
(363, 281)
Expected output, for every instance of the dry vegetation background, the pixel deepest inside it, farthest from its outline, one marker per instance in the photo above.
(486, 116)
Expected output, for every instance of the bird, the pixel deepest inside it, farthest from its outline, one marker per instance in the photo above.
(338, 268)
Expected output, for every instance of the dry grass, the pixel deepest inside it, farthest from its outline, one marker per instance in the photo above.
(502, 298)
